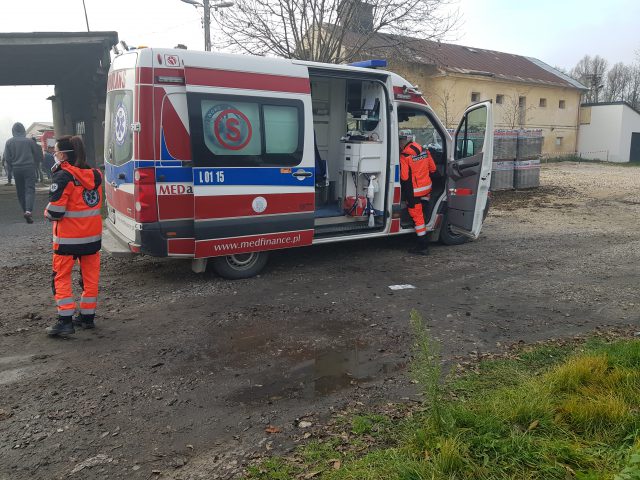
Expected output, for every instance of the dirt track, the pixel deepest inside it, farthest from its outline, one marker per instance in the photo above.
(185, 372)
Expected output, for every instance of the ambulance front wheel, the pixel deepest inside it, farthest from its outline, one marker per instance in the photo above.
(242, 265)
(449, 237)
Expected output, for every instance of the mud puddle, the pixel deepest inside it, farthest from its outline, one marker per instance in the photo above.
(325, 373)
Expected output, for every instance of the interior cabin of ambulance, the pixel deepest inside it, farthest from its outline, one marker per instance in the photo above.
(353, 155)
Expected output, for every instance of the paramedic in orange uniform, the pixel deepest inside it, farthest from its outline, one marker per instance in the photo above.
(75, 200)
(415, 166)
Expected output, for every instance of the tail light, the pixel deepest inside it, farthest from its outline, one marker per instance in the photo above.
(146, 203)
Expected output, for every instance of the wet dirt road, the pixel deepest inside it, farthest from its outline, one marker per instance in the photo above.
(185, 372)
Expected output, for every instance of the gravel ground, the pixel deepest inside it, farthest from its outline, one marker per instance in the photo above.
(187, 374)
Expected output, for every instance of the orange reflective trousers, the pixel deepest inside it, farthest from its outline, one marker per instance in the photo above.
(61, 284)
(418, 216)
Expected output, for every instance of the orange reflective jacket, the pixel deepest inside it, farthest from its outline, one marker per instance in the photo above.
(75, 200)
(417, 163)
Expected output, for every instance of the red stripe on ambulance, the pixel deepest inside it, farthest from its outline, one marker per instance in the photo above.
(252, 243)
(180, 246)
(396, 195)
(176, 137)
(144, 138)
(226, 206)
(120, 200)
(172, 207)
(246, 80)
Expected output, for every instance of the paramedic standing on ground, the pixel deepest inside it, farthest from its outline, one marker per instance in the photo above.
(75, 201)
(415, 166)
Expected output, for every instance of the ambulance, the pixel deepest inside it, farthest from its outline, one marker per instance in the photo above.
(222, 158)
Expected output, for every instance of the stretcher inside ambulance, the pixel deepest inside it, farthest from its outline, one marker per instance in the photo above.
(225, 157)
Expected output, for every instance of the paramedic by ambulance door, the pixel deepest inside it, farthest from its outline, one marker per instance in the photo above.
(469, 172)
(253, 171)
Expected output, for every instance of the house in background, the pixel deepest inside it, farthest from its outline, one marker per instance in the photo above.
(41, 131)
(527, 93)
(610, 132)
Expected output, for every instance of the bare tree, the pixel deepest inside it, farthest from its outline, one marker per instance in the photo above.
(632, 92)
(617, 81)
(443, 99)
(590, 71)
(515, 112)
(330, 30)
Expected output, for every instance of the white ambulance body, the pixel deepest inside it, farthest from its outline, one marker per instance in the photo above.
(225, 157)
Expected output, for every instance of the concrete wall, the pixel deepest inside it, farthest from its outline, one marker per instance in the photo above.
(630, 124)
(605, 134)
(450, 94)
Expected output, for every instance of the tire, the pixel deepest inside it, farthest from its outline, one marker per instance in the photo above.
(242, 265)
(448, 237)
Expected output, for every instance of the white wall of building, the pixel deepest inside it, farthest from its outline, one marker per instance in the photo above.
(608, 135)
(630, 124)
(600, 139)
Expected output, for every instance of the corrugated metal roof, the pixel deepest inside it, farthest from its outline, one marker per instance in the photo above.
(474, 61)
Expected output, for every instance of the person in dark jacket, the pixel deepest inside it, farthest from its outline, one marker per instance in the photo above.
(39, 159)
(48, 162)
(22, 155)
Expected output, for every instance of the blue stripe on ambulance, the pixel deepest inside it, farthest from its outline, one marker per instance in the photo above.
(253, 176)
(112, 173)
(397, 173)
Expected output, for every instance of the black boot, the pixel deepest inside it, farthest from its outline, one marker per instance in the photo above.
(62, 327)
(84, 321)
(422, 246)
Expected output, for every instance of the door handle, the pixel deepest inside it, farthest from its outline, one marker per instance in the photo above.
(302, 173)
(114, 184)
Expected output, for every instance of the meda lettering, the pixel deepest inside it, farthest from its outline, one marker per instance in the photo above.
(175, 189)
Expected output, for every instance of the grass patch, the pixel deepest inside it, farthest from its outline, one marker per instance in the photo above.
(551, 412)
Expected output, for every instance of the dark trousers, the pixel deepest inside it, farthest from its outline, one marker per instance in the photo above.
(25, 179)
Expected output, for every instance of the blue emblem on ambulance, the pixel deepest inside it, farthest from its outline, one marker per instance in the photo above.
(120, 124)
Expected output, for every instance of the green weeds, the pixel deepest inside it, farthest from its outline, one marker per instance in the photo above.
(553, 412)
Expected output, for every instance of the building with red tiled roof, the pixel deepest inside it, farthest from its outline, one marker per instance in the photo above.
(527, 93)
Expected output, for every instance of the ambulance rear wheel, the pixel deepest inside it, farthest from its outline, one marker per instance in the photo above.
(241, 265)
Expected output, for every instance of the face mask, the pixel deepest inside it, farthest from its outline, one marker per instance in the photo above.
(57, 160)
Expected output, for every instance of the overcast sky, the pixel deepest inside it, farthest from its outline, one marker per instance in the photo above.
(558, 32)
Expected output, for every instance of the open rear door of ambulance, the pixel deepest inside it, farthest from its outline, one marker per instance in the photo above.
(253, 161)
(469, 172)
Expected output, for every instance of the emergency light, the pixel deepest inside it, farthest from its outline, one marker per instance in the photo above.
(378, 63)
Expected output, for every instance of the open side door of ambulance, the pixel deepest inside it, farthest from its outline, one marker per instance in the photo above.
(469, 172)
(253, 162)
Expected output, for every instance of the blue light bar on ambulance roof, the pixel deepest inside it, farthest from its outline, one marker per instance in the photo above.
(370, 64)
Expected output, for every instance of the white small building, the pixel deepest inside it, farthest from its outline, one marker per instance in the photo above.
(609, 132)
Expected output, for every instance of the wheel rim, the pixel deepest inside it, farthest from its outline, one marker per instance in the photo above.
(452, 233)
(242, 261)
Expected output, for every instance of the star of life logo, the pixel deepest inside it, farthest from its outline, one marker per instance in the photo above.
(91, 197)
(120, 124)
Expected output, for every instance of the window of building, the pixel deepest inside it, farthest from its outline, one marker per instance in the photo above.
(475, 96)
(543, 102)
(561, 104)
(522, 110)
(559, 141)
(499, 99)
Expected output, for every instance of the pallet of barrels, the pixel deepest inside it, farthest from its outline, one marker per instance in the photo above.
(504, 154)
(527, 165)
